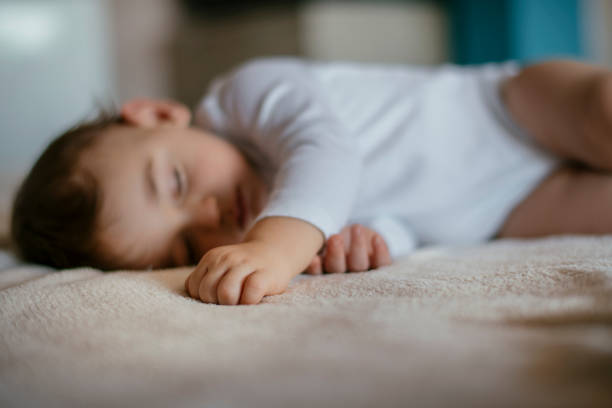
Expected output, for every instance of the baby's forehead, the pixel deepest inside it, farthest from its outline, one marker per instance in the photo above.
(118, 137)
(117, 165)
(114, 144)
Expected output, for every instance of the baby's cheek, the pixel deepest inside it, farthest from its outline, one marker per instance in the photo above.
(205, 240)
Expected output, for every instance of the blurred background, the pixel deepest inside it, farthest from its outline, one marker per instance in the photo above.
(59, 58)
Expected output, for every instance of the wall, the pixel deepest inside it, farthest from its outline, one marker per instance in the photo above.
(201, 47)
(54, 65)
(142, 33)
(597, 25)
(394, 32)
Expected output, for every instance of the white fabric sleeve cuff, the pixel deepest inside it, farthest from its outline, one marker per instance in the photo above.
(400, 239)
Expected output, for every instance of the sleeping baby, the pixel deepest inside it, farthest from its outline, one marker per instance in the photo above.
(297, 166)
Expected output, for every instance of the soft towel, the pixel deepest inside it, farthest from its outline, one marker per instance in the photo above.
(508, 323)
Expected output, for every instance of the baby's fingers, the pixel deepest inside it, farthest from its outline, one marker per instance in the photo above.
(229, 287)
(262, 283)
(204, 280)
(315, 267)
(335, 260)
(192, 283)
(380, 255)
(358, 258)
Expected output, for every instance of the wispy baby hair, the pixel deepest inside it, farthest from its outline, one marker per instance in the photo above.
(55, 209)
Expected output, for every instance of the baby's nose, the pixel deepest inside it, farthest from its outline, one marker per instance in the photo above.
(206, 213)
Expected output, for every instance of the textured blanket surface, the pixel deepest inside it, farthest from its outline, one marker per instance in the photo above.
(508, 323)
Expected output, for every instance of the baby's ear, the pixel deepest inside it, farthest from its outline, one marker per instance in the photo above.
(151, 113)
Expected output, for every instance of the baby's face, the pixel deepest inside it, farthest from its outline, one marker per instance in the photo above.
(170, 194)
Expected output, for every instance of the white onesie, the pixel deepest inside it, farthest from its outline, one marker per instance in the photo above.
(421, 155)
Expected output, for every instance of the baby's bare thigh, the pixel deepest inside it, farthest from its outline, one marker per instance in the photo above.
(571, 200)
(566, 106)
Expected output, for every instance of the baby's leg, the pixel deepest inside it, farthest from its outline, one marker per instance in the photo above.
(566, 106)
(572, 200)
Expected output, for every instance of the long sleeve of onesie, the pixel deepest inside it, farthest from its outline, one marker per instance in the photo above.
(273, 106)
(421, 155)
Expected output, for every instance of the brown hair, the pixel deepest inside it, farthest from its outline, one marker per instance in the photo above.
(55, 209)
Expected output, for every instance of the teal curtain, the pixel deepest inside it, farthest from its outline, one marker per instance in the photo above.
(522, 30)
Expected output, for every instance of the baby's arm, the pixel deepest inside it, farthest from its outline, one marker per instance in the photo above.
(356, 248)
(275, 107)
(274, 251)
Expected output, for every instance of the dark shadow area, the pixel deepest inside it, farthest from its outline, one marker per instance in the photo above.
(213, 39)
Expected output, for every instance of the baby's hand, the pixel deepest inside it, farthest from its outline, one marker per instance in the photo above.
(356, 248)
(238, 274)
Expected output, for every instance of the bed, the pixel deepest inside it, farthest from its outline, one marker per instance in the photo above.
(510, 323)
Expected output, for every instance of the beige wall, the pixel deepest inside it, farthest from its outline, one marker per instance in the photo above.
(410, 32)
(203, 48)
(597, 25)
(142, 33)
(163, 52)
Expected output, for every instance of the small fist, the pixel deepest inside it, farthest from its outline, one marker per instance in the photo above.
(238, 274)
(356, 248)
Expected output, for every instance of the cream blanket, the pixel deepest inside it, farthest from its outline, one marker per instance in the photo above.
(509, 323)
